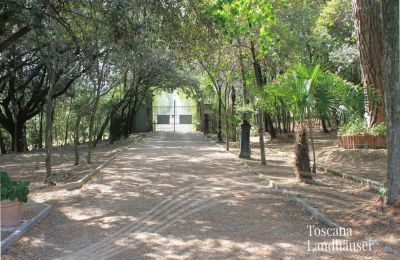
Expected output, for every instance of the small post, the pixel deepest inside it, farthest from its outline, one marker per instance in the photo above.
(206, 129)
(245, 139)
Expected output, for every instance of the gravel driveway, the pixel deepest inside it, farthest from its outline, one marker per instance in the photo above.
(171, 196)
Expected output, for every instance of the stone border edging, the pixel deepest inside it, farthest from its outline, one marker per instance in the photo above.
(25, 227)
(376, 185)
(79, 184)
(280, 188)
(299, 202)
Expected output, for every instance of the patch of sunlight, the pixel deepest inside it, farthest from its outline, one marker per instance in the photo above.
(122, 242)
(285, 245)
(28, 155)
(206, 245)
(36, 242)
(155, 159)
(108, 222)
(198, 159)
(76, 214)
(104, 188)
(138, 180)
(127, 168)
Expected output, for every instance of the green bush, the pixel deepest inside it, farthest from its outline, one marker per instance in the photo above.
(353, 127)
(358, 127)
(378, 129)
(244, 112)
(13, 190)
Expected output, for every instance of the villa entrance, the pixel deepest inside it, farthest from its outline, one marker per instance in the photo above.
(174, 118)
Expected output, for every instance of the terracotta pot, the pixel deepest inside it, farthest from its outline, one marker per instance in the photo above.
(11, 213)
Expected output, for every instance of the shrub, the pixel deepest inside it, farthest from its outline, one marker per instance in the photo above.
(244, 112)
(378, 129)
(358, 127)
(13, 190)
(353, 127)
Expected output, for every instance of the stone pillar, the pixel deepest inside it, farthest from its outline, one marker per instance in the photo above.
(245, 140)
(206, 129)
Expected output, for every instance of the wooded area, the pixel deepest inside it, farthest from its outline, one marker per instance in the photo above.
(76, 72)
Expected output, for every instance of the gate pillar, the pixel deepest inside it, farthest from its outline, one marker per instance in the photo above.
(245, 140)
(206, 129)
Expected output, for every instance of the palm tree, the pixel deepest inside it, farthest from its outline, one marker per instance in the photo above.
(296, 88)
(301, 84)
(299, 89)
(309, 92)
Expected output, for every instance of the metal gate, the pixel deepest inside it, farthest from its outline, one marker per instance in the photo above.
(174, 118)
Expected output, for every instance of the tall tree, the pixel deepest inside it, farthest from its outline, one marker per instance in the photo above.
(99, 77)
(250, 19)
(391, 83)
(23, 74)
(368, 24)
(51, 62)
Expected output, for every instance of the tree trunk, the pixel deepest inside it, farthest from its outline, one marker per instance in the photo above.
(266, 128)
(91, 126)
(390, 14)
(260, 82)
(17, 137)
(324, 127)
(67, 124)
(227, 129)
(76, 138)
(271, 128)
(314, 168)
(17, 130)
(48, 132)
(302, 157)
(366, 14)
(115, 127)
(102, 129)
(219, 127)
(278, 118)
(25, 142)
(52, 66)
(3, 149)
(17, 147)
(284, 121)
(294, 124)
(40, 139)
(243, 74)
(233, 112)
(261, 138)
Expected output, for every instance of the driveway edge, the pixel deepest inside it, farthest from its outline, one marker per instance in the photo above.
(85, 179)
(25, 227)
(281, 189)
(376, 185)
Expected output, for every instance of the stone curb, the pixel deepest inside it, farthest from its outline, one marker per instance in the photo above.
(376, 185)
(79, 184)
(280, 188)
(25, 227)
(299, 202)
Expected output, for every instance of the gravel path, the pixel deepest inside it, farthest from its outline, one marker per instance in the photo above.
(172, 196)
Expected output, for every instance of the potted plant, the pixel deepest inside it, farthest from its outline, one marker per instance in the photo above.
(13, 195)
(245, 113)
